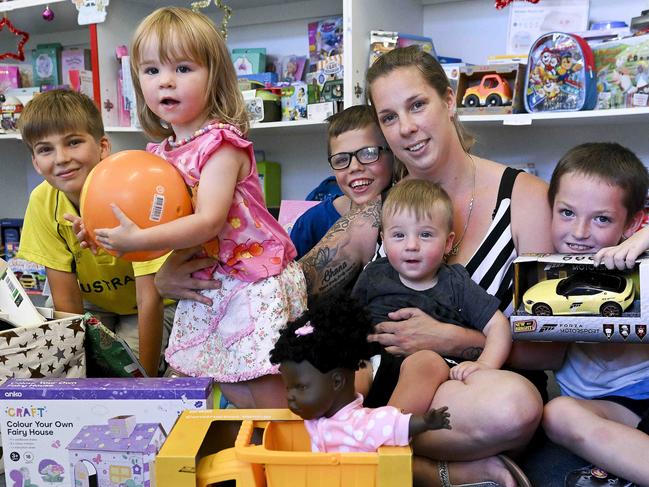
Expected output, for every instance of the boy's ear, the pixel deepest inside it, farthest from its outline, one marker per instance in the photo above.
(634, 224)
(449, 242)
(36, 168)
(105, 147)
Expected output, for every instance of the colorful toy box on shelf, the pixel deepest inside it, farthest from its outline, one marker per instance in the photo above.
(294, 101)
(325, 39)
(490, 89)
(92, 431)
(195, 455)
(563, 297)
(251, 60)
(622, 72)
(560, 74)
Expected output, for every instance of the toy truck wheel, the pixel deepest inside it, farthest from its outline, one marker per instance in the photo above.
(541, 309)
(471, 101)
(611, 309)
(494, 100)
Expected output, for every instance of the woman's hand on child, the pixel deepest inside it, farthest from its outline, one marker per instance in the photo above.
(174, 279)
(81, 233)
(122, 238)
(437, 419)
(623, 256)
(412, 330)
(465, 369)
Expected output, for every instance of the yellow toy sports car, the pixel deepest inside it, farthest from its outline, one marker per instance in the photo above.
(585, 292)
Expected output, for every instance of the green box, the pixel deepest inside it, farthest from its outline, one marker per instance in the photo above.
(270, 179)
(46, 62)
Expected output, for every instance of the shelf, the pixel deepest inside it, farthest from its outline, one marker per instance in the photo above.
(14, 136)
(17, 4)
(268, 128)
(616, 116)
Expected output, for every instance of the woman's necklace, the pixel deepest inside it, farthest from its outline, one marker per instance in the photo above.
(175, 144)
(456, 246)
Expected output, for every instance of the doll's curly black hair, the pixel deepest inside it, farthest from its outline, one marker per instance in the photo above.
(338, 340)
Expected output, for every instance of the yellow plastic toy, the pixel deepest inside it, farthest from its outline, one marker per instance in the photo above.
(283, 459)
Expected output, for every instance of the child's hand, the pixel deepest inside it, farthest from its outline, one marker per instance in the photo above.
(465, 369)
(623, 256)
(437, 419)
(119, 239)
(81, 233)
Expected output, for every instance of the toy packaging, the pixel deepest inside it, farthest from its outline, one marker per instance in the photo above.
(9, 77)
(74, 59)
(98, 432)
(490, 89)
(325, 39)
(294, 101)
(560, 74)
(249, 60)
(47, 66)
(622, 72)
(291, 68)
(562, 297)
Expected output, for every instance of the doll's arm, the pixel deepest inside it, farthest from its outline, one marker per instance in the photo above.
(435, 419)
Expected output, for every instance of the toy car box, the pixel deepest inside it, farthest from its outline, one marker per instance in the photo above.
(622, 69)
(563, 297)
(491, 99)
(92, 431)
(197, 454)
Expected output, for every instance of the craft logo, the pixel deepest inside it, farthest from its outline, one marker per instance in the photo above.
(641, 331)
(608, 330)
(27, 412)
(625, 331)
(524, 326)
(548, 327)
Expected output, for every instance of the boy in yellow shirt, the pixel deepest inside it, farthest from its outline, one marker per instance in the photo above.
(65, 134)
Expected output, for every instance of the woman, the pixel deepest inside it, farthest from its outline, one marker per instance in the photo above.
(495, 410)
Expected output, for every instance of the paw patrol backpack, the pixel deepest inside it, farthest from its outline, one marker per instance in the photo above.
(560, 74)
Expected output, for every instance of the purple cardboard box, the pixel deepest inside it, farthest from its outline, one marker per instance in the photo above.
(92, 431)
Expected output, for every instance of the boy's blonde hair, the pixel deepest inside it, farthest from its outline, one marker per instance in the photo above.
(612, 163)
(423, 198)
(59, 112)
(181, 33)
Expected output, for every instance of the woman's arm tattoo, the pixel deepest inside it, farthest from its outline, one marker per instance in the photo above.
(338, 257)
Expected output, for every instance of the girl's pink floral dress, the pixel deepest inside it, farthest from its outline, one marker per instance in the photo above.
(261, 287)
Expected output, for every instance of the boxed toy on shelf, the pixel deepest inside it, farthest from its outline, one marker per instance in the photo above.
(46, 60)
(250, 60)
(92, 431)
(325, 39)
(622, 68)
(490, 89)
(563, 297)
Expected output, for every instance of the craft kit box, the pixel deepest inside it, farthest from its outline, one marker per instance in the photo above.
(100, 432)
(563, 297)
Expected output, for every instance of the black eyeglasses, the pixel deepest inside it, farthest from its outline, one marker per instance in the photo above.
(366, 155)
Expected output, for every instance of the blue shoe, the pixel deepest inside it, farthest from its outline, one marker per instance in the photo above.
(592, 476)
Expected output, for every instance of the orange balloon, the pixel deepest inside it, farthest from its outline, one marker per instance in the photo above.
(148, 189)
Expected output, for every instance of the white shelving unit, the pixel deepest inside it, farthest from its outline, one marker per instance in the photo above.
(471, 29)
